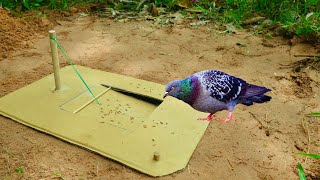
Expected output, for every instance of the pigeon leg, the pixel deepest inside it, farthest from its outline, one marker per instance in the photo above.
(229, 118)
(209, 118)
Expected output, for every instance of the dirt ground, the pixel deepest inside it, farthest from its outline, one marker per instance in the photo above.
(258, 144)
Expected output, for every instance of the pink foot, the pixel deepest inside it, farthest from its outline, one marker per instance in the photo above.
(229, 118)
(209, 118)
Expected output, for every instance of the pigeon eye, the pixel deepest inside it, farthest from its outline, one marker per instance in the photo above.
(172, 88)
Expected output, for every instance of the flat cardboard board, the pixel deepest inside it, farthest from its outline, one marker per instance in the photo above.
(122, 127)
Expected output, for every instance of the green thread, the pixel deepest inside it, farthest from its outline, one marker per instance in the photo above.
(72, 65)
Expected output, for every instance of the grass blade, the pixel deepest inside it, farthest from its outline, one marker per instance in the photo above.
(316, 156)
(301, 172)
(315, 114)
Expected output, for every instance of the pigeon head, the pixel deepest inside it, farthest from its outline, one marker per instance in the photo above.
(172, 89)
(185, 89)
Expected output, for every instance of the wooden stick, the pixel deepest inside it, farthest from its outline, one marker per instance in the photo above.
(156, 156)
(55, 59)
(86, 104)
(140, 4)
(306, 130)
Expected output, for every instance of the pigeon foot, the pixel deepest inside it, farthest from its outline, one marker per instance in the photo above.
(229, 118)
(209, 118)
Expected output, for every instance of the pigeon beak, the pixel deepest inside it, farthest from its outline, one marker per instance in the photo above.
(165, 95)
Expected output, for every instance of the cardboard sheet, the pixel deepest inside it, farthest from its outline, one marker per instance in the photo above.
(123, 128)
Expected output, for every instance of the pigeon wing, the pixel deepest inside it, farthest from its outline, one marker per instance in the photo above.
(222, 86)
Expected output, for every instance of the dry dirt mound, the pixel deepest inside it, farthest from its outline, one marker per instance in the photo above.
(17, 33)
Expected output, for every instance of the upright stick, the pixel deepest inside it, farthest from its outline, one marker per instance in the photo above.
(55, 59)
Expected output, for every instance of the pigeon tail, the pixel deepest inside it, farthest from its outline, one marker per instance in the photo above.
(253, 90)
(254, 94)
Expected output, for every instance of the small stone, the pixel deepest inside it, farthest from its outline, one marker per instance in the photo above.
(123, 20)
(45, 21)
(4, 55)
(73, 10)
(156, 156)
(241, 44)
(266, 23)
(267, 132)
(231, 28)
(253, 20)
(299, 145)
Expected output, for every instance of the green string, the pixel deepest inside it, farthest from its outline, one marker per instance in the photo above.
(70, 62)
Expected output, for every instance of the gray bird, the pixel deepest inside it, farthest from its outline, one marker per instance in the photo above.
(212, 91)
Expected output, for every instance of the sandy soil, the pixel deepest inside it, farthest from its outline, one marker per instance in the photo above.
(258, 144)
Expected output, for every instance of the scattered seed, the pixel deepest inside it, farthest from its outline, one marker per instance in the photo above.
(267, 132)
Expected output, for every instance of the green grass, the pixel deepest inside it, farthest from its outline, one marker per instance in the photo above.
(20, 170)
(302, 176)
(300, 168)
(296, 18)
(315, 156)
(169, 4)
(300, 17)
(23, 5)
(315, 114)
(59, 175)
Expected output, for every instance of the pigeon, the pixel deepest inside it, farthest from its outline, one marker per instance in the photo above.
(211, 91)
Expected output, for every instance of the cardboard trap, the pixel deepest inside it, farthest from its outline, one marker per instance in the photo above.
(140, 131)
